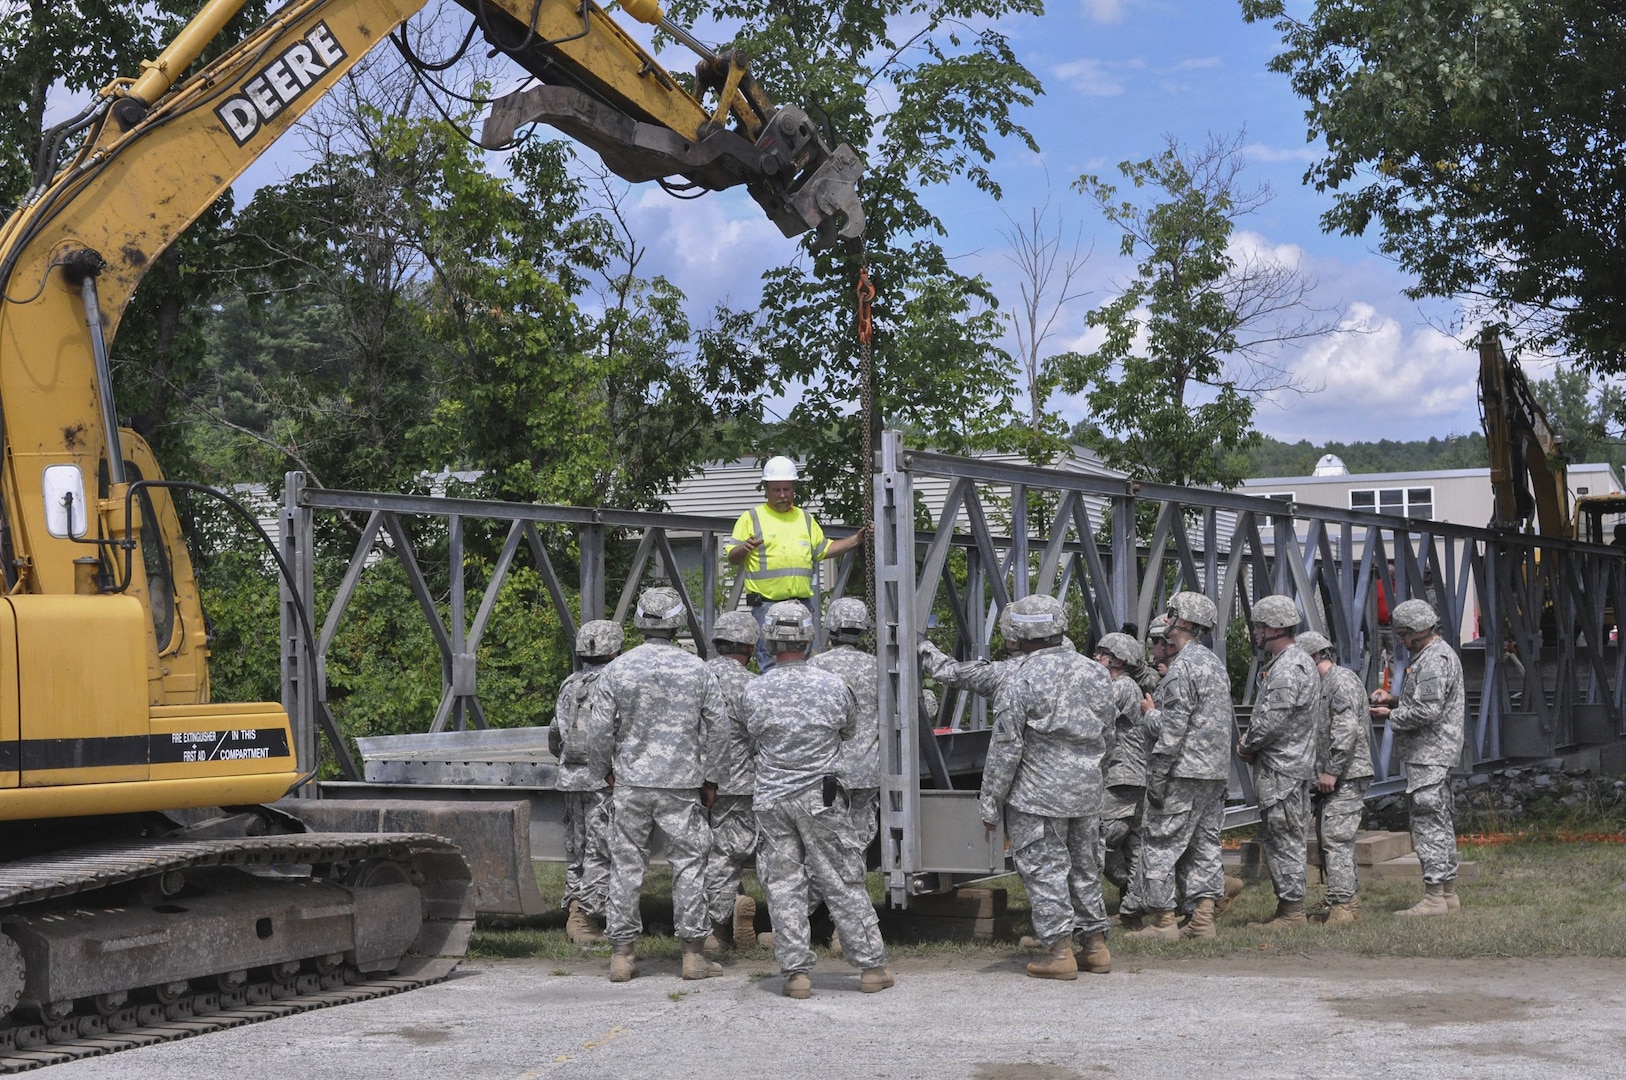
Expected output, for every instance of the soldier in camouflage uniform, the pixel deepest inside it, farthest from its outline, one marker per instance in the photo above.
(1123, 771)
(587, 800)
(1344, 772)
(977, 676)
(653, 712)
(1280, 745)
(1187, 766)
(730, 770)
(797, 717)
(1427, 720)
(1043, 773)
(847, 621)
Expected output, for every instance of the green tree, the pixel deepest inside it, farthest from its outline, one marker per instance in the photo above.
(75, 46)
(1585, 412)
(1484, 138)
(1191, 339)
(921, 89)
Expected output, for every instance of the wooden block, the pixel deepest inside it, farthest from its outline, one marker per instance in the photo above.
(1372, 848)
(1408, 868)
(1251, 864)
(1404, 868)
(962, 904)
(907, 926)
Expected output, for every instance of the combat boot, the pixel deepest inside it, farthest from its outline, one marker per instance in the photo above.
(1451, 900)
(1201, 925)
(1133, 921)
(1432, 903)
(874, 980)
(835, 944)
(765, 940)
(798, 986)
(720, 938)
(1341, 915)
(1094, 957)
(745, 922)
(1289, 915)
(1233, 888)
(695, 964)
(579, 928)
(1058, 963)
(623, 963)
(1160, 926)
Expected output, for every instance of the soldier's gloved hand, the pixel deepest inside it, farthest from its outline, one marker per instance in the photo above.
(556, 740)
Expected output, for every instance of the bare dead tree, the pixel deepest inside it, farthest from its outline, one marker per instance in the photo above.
(1047, 266)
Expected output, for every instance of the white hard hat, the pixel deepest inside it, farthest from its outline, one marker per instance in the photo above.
(779, 468)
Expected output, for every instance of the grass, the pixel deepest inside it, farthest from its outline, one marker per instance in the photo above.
(1533, 897)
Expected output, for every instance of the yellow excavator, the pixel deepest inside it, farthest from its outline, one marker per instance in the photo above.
(1529, 459)
(143, 884)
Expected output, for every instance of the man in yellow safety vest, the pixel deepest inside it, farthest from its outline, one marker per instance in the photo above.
(780, 546)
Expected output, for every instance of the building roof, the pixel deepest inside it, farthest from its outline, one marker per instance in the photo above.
(1402, 477)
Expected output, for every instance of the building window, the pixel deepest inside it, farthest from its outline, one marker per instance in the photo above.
(1417, 502)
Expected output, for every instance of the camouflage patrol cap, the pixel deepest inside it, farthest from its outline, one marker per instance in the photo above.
(789, 622)
(1313, 643)
(1277, 612)
(598, 639)
(1193, 608)
(1036, 618)
(1121, 647)
(659, 608)
(736, 628)
(848, 615)
(1415, 615)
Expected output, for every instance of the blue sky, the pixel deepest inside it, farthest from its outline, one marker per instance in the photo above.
(1120, 76)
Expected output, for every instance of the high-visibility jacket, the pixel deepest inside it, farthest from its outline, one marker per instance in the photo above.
(792, 544)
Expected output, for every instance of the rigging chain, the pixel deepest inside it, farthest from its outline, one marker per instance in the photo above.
(866, 410)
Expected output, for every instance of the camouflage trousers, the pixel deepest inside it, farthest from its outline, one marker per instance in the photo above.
(1284, 821)
(733, 848)
(863, 822)
(803, 847)
(1180, 844)
(636, 814)
(1059, 860)
(1121, 837)
(1340, 821)
(587, 849)
(1433, 832)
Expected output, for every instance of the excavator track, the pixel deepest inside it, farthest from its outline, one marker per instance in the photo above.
(198, 1006)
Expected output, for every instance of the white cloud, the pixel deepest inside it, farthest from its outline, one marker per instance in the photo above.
(714, 248)
(1262, 152)
(1378, 380)
(1096, 78)
(1197, 64)
(1249, 248)
(1104, 11)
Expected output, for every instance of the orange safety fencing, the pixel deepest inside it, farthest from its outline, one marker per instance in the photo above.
(1559, 836)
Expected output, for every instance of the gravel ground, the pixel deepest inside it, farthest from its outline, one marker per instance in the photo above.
(1299, 1015)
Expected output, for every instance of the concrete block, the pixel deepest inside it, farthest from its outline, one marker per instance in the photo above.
(1612, 760)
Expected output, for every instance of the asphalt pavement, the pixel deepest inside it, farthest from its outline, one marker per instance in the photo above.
(1295, 1016)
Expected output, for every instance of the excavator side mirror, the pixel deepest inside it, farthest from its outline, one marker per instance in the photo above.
(65, 516)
